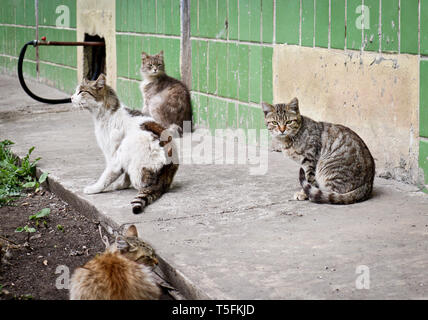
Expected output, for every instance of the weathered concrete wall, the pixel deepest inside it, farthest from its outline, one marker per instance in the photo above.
(375, 95)
(98, 18)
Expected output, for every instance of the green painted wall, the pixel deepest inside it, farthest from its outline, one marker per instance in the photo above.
(57, 65)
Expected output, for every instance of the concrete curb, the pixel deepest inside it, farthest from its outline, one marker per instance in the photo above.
(183, 284)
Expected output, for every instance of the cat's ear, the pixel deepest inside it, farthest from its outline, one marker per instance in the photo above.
(101, 81)
(131, 232)
(267, 108)
(160, 54)
(144, 55)
(84, 81)
(293, 106)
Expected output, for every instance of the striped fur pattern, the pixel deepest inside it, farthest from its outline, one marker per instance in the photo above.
(122, 272)
(166, 99)
(336, 165)
(137, 149)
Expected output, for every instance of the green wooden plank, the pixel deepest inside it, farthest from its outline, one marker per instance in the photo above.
(255, 54)
(232, 115)
(233, 20)
(243, 72)
(409, 26)
(371, 31)
(176, 17)
(169, 18)
(160, 16)
(122, 55)
(222, 84)
(232, 73)
(151, 16)
(308, 23)
(244, 20)
(203, 110)
(389, 35)
(267, 21)
(195, 65)
(212, 67)
(211, 20)
(321, 23)
(203, 18)
(212, 112)
(424, 28)
(203, 57)
(354, 19)
(243, 117)
(194, 18)
(222, 19)
(255, 20)
(287, 21)
(423, 96)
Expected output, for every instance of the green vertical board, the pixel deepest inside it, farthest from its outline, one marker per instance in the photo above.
(169, 18)
(221, 114)
(338, 29)
(194, 18)
(233, 20)
(151, 16)
(255, 16)
(222, 19)
(30, 13)
(267, 21)
(203, 18)
(409, 26)
(232, 115)
(267, 76)
(424, 28)
(122, 55)
(243, 72)
(255, 73)
(423, 159)
(195, 65)
(371, 31)
(212, 67)
(322, 12)
(389, 34)
(160, 16)
(176, 17)
(212, 112)
(423, 99)
(20, 12)
(222, 85)
(244, 20)
(232, 72)
(121, 15)
(354, 19)
(211, 20)
(243, 117)
(203, 83)
(194, 98)
(308, 23)
(203, 110)
(287, 21)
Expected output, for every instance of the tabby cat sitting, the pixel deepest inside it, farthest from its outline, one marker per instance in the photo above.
(337, 166)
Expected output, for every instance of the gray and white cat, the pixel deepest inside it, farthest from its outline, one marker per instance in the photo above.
(337, 166)
(135, 148)
(166, 99)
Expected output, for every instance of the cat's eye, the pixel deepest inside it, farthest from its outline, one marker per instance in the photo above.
(274, 123)
(289, 122)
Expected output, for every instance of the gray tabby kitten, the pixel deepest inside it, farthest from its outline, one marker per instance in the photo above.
(166, 99)
(337, 166)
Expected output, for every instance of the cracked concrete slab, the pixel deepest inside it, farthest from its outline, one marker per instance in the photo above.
(222, 233)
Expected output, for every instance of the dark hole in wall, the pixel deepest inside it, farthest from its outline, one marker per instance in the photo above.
(95, 58)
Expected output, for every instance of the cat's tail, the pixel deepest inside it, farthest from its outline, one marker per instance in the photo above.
(322, 196)
(151, 193)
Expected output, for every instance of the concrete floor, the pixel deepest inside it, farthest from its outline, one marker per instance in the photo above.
(223, 233)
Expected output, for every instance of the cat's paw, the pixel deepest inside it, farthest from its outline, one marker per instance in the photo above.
(300, 196)
(91, 189)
